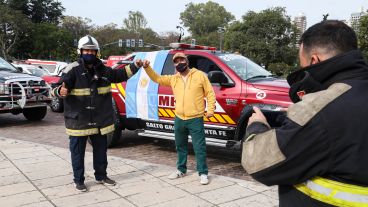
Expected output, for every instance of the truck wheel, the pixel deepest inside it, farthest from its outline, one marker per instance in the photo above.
(113, 138)
(35, 114)
(57, 105)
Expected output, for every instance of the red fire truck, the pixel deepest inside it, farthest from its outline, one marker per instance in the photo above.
(238, 83)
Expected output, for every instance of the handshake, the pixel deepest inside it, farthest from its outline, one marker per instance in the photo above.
(142, 63)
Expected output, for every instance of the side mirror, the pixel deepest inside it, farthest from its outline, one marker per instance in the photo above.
(220, 78)
(20, 69)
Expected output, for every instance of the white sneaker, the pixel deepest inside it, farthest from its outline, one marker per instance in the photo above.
(176, 174)
(203, 179)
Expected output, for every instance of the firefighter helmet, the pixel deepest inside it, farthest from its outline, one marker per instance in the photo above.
(88, 42)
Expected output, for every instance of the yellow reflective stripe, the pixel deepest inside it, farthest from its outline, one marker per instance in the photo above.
(104, 90)
(121, 89)
(213, 119)
(171, 114)
(163, 112)
(80, 92)
(205, 118)
(228, 119)
(81, 132)
(113, 85)
(219, 118)
(335, 193)
(107, 129)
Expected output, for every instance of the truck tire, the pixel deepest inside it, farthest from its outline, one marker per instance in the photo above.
(57, 105)
(113, 138)
(35, 114)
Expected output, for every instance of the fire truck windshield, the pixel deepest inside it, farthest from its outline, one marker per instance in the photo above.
(244, 67)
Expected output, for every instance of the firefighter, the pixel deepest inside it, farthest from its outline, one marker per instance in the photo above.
(319, 156)
(88, 112)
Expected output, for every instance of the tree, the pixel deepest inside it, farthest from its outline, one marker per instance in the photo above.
(363, 36)
(204, 18)
(12, 25)
(39, 10)
(77, 26)
(266, 37)
(135, 22)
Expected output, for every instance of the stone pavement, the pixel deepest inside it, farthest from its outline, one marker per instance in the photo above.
(36, 175)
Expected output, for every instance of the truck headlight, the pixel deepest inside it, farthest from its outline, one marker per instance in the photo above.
(4, 88)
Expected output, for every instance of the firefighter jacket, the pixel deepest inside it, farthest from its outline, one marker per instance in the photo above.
(319, 155)
(88, 105)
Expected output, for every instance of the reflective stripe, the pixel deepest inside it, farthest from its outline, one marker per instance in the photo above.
(107, 129)
(80, 92)
(104, 90)
(335, 193)
(81, 132)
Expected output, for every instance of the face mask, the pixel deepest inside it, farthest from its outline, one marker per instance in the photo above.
(181, 67)
(88, 58)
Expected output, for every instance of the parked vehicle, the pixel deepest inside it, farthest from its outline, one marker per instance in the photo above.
(22, 93)
(238, 83)
(33, 70)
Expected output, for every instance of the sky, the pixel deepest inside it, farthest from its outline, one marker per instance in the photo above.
(163, 15)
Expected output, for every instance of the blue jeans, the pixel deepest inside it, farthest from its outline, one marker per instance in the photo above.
(77, 146)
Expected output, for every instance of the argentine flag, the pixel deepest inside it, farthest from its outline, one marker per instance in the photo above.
(141, 92)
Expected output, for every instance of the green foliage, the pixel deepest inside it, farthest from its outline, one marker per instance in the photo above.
(363, 36)
(77, 26)
(265, 37)
(52, 42)
(281, 69)
(12, 25)
(39, 10)
(204, 19)
(135, 22)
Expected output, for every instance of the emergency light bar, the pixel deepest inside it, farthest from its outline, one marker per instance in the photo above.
(190, 46)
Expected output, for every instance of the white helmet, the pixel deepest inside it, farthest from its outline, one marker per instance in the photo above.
(89, 43)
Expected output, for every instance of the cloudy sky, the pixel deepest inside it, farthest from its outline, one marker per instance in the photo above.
(163, 15)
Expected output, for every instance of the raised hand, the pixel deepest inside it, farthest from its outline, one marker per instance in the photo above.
(146, 63)
(63, 90)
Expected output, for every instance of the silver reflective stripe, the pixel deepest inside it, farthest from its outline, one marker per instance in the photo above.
(352, 197)
(320, 189)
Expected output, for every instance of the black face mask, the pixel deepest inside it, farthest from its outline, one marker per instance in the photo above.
(181, 67)
(88, 58)
(302, 81)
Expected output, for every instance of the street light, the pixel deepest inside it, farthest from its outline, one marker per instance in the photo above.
(181, 33)
(221, 31)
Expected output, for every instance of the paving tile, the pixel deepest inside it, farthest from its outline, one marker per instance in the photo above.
(41, 204)
(226, 194)
(9, 171)
(53, 182)
(258, 200)
(5, 164)
(133, 177)
(17, 188)
(34, 160)
(191, 201)
(22, 199)
(29, 154)
(12, 179)
(272, 192)
(21, 150)
(68, 190)
(156, 196)
(86, 198)
(127, 189)
(190, 177)
(50, 173)
(45, 166)
(122, 202)
(215, 183)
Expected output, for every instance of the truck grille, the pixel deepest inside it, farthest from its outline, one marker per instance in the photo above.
(31, 88)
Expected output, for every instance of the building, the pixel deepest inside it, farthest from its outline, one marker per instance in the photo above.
(355, 18)
(300, 22)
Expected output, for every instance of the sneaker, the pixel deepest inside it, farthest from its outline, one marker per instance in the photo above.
(80, 187)
(176, 174)
(203, 179)
(106, 181)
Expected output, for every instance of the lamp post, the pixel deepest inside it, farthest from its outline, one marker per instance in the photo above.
(221, 31)
(181, 33)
